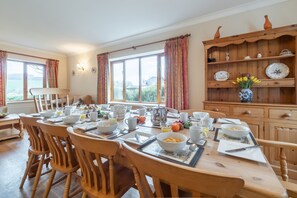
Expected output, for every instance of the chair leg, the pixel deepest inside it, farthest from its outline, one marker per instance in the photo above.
(38, 173)
(49, 183)
(67, 185)
(29, 164)
(84, 195)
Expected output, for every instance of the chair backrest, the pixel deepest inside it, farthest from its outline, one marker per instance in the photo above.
(49, 98)
(36, 137)
(95, 174)
(61, 148)
(3, 109)
(282, 147)
(212, 114)
(178, 177)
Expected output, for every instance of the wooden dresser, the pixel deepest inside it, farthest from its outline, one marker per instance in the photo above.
(273, 113)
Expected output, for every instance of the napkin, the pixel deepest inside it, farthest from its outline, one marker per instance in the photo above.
(228, 121)
(87, 126)
(254, 154)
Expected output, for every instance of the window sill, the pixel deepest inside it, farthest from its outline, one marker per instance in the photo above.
(138, 104)
(20, 102)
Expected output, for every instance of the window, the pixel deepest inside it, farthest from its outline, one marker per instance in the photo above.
(21, 77)
(139, 79)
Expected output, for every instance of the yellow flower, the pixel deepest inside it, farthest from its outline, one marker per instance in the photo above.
(253, 77)
(245, 78)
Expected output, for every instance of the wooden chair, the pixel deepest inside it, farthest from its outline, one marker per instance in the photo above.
(49, 98)
(178, 177)
(212, 114)
(100, 179)
(282, 146)
(38, 148)
(63, 155)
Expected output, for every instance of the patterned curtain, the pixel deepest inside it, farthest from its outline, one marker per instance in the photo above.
(52, 73)
(176, 85)
(102, 83)
(3, 58)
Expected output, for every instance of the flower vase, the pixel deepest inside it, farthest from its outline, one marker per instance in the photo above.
(246, 95)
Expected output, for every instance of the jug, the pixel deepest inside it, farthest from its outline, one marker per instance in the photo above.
(158, 115)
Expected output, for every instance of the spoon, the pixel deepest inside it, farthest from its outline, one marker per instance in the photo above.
(193, 147)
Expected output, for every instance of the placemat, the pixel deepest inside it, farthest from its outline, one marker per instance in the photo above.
(183, 157)
(249, 139)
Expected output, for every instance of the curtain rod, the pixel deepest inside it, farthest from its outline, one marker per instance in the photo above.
(134, 47)
(27, 55)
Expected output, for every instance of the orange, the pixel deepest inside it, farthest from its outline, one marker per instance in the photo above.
(175, 127)
(141, 119)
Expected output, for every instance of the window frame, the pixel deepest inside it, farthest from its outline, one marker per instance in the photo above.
(111, 89)
(25, 78)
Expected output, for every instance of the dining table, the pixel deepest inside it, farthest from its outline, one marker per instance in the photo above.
(259, 178)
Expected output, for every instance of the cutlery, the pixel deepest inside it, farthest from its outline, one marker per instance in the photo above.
(137, 138)
(241, 149)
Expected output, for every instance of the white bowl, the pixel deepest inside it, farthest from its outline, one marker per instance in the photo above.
(47, 114)
(71, 119)
(104, 106)
(235, 130)
(171, 146)
(107, 126)
(200, 115)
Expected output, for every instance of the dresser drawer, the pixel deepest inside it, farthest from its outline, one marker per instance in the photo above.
(283, 114)
(248, 112)
(223, 109)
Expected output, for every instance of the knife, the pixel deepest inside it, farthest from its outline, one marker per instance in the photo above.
(241, 149)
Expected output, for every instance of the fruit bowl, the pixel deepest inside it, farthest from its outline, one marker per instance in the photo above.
(171, 146)
(235, 130)
(3, 115)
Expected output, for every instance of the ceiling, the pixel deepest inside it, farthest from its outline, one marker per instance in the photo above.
(75, 26)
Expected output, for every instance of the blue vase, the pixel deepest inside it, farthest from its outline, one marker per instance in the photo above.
(246, 95)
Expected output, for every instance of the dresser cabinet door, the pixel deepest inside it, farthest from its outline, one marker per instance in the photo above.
(286, 133)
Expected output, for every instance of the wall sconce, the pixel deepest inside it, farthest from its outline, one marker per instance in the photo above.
(81, 67)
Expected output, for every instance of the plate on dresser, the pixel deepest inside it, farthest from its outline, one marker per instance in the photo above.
(277, 71)
(221, 76)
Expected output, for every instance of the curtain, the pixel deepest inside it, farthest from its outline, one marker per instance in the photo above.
(3, 58)
(52, 73)
(176, 75)
(102, 82)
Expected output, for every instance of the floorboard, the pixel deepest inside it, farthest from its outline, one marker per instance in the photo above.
(13, 157)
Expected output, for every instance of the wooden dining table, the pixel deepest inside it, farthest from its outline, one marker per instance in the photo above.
(260, 179)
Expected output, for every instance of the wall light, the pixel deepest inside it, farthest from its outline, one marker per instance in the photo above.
(81, 67)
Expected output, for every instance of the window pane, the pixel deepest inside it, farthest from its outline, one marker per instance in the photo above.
(132, 79)
(149, 79)
(15, 81)
(34, 77)
(162, 78)
(118, 81)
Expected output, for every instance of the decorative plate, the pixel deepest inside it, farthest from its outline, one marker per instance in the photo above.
(277, 71)
(221, 76)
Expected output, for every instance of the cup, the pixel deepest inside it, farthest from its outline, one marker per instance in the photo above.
(183, 116)
(93, 116)
(68, 110)
(131, 122)
(196, 134)
(141, 112)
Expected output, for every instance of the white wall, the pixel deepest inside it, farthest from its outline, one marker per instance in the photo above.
(28, 107)
(281, 14)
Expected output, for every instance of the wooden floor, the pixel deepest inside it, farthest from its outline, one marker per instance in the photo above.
(13, 157)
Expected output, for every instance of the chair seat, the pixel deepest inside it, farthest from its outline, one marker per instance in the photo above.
(291, 188)
(124, 177)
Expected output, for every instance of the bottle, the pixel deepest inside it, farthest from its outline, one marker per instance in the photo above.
(227, 56)
(267, 24)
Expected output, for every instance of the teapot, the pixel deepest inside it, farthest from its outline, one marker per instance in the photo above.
(158, 115)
